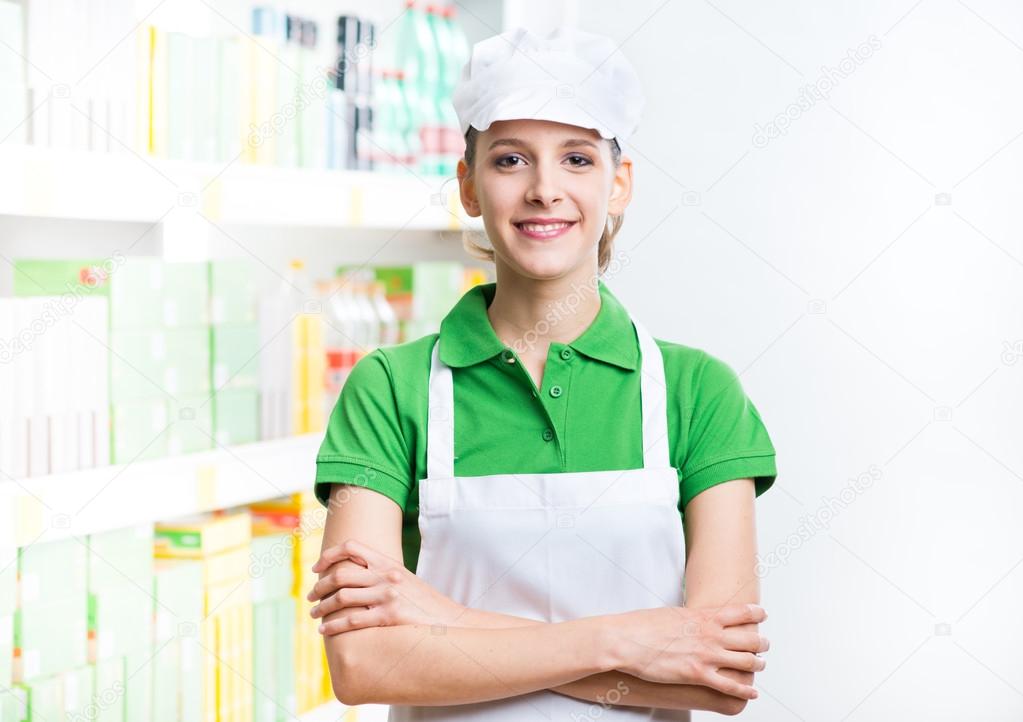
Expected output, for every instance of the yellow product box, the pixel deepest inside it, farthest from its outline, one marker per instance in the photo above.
(208, 635)
(228, 565)
(202, 535)
(226, 595)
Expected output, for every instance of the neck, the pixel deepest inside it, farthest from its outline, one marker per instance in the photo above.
(529, 315)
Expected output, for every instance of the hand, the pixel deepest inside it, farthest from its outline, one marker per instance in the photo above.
(685, 645)
(379, 592)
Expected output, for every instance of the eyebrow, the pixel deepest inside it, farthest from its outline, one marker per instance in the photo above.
(517, 143)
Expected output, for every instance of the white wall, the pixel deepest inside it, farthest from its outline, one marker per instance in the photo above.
(867, 318)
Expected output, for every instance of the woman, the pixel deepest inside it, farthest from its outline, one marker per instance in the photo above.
(529, 463)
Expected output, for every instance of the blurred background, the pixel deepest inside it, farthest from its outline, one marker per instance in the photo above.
(210, 211)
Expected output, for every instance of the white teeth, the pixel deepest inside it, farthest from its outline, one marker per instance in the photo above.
(537, 228)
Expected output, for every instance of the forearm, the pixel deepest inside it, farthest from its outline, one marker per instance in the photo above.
(440, 665)
(612, 687)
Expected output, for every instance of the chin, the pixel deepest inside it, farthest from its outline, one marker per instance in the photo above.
(542, 267)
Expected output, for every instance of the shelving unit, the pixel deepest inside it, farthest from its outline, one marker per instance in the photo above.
(126, 187)
(54, 507)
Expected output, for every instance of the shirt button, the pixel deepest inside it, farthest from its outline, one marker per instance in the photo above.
(548, 434)
(508, 355)
(566, 354)
(555, 391)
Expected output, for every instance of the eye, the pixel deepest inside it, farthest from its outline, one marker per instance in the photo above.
(583, 158)
(500, 161)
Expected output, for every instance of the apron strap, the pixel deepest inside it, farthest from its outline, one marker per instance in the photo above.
(440, 426)
(654, 400)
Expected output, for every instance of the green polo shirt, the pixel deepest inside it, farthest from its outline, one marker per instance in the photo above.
(586, 417)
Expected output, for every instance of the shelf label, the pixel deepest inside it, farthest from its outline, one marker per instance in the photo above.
(206, 486)
(357, 217)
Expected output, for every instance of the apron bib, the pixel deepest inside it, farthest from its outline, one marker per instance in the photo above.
(552, 547)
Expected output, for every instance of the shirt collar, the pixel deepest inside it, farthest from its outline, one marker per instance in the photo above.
(467, 338)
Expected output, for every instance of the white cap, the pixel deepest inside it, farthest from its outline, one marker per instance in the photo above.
(569, 76)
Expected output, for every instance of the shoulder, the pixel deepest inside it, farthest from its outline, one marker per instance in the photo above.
(696, 375)
(385, 364)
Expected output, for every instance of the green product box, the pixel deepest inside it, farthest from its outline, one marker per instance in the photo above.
(14, 704)
(45, 698)
(235, 356)
(188, 360)
(108, 690)
(436, 287)
(119, 620)
(264, 662)
(77, 686)
(8, 580)
(134, 285)
(191, 427)
(6, 650)
(52, 570)
(191, 700)
(138, 365)
(166, 665)
(138, 684)
(285, 631)
(121, 558)
(138, 430)
(271, 567)
(178, 590)
(232, 291)
(186, 295)
(52, 635)
(236, 416)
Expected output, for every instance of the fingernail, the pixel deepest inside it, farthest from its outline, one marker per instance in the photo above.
(755, 694)
(320, 628)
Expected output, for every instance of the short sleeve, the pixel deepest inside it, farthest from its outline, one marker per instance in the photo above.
(363, 443)
(726, 437)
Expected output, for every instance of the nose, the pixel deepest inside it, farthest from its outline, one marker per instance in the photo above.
(543, 188)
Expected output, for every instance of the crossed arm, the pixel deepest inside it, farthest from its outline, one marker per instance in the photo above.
(479, 655)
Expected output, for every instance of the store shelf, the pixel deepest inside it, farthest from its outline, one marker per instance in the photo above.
(335, 712)
(47, 183)
(61, 505)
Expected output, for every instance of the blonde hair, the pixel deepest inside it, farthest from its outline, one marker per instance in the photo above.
(612, 225)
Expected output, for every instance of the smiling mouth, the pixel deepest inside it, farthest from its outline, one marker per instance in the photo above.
(543, 230)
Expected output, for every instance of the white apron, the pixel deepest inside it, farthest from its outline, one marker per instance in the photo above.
(552, 547)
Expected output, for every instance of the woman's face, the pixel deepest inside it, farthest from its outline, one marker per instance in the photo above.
(554, 173)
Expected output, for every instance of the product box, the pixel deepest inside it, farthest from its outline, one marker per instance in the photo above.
(138, 365)
(166, 664)
(271, 566)
(200, 535)
(108, 690)
(232, 288)
(191, 426)
(133, 285)
(50, 636)
(187, 360)
(14, 704)
(12, 74)
(121, 558)
(139, 430)
(52, 571)
(236, 416)
(138, 683)
(223, 596)
(8, 580)
(235, 354)
(6, 650)
(186, 293)
(118, 621)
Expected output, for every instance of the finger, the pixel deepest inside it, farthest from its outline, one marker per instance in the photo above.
(356, 619)
(342, 577)
(370, 554)
(743, 641)
(335, 553)
(734, 614)
(730, 686)
(351, 597)
(742, 661)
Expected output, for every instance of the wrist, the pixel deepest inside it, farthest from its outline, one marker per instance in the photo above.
(611, 644)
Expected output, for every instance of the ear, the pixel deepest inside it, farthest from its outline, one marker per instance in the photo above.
(621, 188)
(467, 190)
